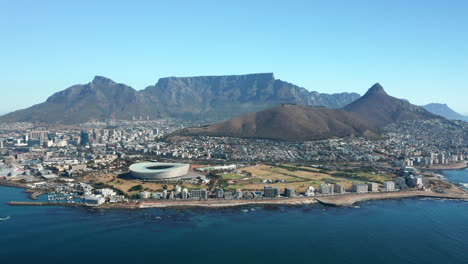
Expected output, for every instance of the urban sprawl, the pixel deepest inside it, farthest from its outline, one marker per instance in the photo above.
(69, 163)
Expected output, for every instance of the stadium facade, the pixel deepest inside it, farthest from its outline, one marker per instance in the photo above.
(159, 171)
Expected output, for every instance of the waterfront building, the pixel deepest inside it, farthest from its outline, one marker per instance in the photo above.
(415, 181)
(106, 192)
(199, 194)
(289, 192)
(271, 192)
(310, 191)
(372, 187)
(219, 193)
(360, 188)
(339, 188)
(400, 183)
(157, 196)
(94, 200)
(326, 188)
(164, 194)
(389, 186)
(238, 194)
(185, 194)
(144, 195)
(177, 189)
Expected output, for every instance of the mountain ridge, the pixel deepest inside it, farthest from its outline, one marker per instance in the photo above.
(379, 109)
(289, 123)
(195, 98)
(365, 117)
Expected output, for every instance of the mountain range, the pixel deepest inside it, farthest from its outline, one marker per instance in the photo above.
(191, 98)
(445, 111)
(364, 117)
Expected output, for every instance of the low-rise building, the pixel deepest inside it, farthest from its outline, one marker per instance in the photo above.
(310, 191)
(94, 200)
(144, 195)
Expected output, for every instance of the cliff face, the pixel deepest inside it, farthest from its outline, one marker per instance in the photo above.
(221, 97)
(195, 98)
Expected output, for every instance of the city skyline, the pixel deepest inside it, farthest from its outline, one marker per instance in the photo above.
(415, 50)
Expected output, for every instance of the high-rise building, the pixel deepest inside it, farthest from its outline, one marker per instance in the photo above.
(339, 188)
(219, 193)
(360, 188)
(199, 194)
(185, 194)
(289, 192)
(84, 138)
(271, 192)
(389, 186)
(372, 187)
(326, 188)
(38, 134)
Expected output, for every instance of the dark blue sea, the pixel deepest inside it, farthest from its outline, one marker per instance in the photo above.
(390, 231)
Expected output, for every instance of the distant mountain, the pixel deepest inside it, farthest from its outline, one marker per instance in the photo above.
(195, 98)
(445, 111)
(222, 97)
(100, 99)
(377, 109)
(290, 123)
(363, 118)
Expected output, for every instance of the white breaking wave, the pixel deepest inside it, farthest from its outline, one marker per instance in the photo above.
(3, 219)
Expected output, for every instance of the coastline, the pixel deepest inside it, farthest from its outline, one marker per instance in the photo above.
(454, 166)
(453, 192)
(350, 200)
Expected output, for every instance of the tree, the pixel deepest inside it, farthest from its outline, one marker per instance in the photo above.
(136, 188)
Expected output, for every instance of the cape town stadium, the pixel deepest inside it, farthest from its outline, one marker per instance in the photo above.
(158, 171)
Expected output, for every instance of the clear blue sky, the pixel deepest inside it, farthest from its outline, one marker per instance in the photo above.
(417, 50)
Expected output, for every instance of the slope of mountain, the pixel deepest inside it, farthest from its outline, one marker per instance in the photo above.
(196, 98)
(444, 110)
(100, 99)
(377, 109)
(290, 123)
(221, 97)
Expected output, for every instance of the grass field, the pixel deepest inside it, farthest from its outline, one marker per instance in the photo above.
(299, 178)
(125, 184)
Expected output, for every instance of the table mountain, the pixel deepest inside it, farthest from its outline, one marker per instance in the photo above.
(289, 123)
(444, 110)
(196, 98)
(222, 97)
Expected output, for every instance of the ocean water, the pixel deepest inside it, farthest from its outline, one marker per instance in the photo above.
(390, 231)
